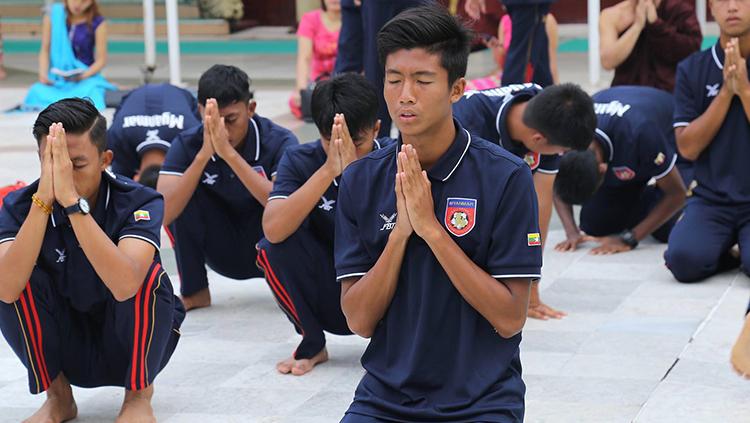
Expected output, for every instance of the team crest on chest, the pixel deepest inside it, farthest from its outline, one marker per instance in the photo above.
(460, 215)
(623, 173)
(532, 159)
(261, 171)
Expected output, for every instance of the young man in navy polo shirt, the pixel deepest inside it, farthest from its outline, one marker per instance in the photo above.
(216, 179)
(85, 300)
(712, 106)
(634, 143)
(711, 120)
(297, 251)
(536, 125)
(436, 264)
(143, 127)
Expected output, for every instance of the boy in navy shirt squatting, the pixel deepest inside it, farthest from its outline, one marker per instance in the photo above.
(536, 125)
(216, 179)
(436, 264)
(143, 127)
(634, 143)
(297, 252)
(711, 120)
(85, 300)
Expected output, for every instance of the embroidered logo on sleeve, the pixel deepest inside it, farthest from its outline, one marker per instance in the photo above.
(260, 171)
(660, 159)
(460, 215)
(534, 240)
(141, 215)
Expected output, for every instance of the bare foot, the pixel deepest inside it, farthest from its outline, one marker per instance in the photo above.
(539, 310)
(740, 358)
(285, 367)
(59, 406)
(136, 408)
(200, 299)
(305, 365)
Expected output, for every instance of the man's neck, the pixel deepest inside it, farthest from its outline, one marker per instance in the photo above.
(432, 145)
(516, 128)
(744, 43)
(598, 150)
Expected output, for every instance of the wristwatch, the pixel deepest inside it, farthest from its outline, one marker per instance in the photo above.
(628, 238)
(82, 206)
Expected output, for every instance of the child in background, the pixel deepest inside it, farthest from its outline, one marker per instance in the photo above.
(72, 55)
(317, 45)
(500, 45)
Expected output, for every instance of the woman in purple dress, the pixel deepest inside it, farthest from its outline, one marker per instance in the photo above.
(87, 31)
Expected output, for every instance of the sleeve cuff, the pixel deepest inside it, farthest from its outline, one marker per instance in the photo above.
(680, 124)
(170, 172)
(548, 171)
(7, 239)
(669, 168)
(277, 197)
(516, 272)
(142, 238)
(352, 272)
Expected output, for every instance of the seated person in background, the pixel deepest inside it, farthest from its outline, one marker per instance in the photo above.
(297, 251)
(317, 42)
(644, 40)
(216, 179)
(500, 45)
(85, 300)
(712, 127)
(536, 125)
(634, 143)
(72, 55)
(147, 120)
(3, 74)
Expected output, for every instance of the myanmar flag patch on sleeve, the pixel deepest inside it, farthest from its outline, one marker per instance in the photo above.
(534, 240)
(141, 215)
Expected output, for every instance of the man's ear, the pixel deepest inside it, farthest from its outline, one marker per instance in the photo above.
(457, 90)
(603, 168)
(251, 105)
(538, 140)
(376, 128)
(201, 110)
(107, 157)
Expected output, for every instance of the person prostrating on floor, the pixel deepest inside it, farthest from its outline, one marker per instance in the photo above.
(216, 179)
(297, 251)
(437, 243)
(85, 300)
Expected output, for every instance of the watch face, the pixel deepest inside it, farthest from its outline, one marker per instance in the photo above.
(84, 205)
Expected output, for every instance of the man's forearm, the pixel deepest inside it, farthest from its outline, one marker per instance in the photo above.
(283, 217)
(20, 257)
(122, 275)
(616, 53)
(256, 183)
(694, 138)
(365, 301)
(178, 190)
(565, 211)
(493, 299)
(745, 99)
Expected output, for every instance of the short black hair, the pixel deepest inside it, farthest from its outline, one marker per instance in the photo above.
(77, 116)
(578, 178)
(432, 28)
(227, 84)
(564, 114)
(350, 94)
(150, 176)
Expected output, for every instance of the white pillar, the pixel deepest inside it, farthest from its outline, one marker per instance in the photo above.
(700, 10)
(173, 41)
(149, 34)
(593, 24)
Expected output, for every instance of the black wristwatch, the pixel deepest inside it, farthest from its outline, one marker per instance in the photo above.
(628, 238)
(82, 206)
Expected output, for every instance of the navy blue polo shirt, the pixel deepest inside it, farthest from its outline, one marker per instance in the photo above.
(433, 357)
(149, 118)
(721, 171)
(297, 165)
(123, 209)
(263, 148)
(485, 113)
(634, 129)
